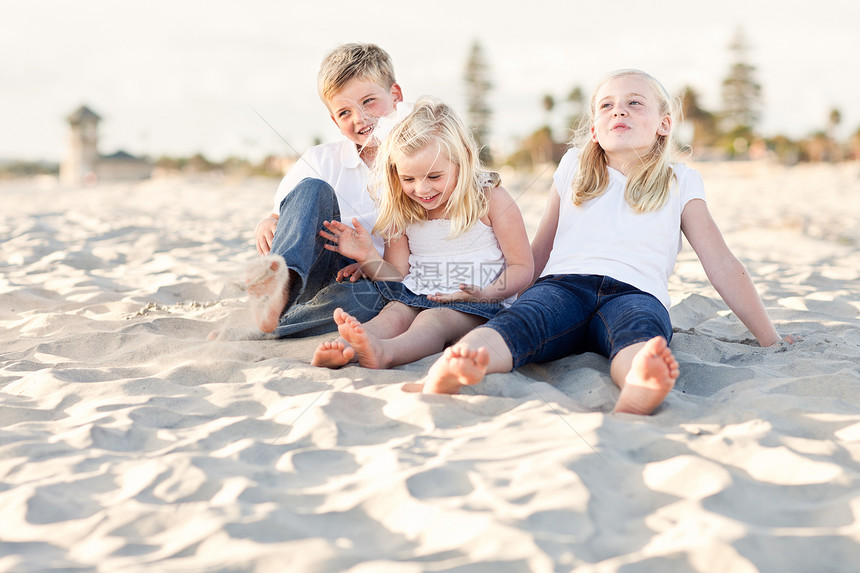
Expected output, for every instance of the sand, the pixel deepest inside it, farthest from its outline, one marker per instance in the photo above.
(130, 443)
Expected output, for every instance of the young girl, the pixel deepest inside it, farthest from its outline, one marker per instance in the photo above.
(444, 270)
(604, 252)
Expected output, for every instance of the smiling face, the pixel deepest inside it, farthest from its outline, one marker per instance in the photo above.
(357, 107)
(628, 118)
(428, 177)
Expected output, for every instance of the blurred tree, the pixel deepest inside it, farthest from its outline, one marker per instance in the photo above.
(815, 147)
(537, 149)
(478, 87)
(705, 128)
(576, 99)
(540, 146)
(835, 117)
(854, 145)
(28, 169)
(171, 163)
(741, 94)
(548, 105)
(198, 163)
(787, 151)
(833, 122)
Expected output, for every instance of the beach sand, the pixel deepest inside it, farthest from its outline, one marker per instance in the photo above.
(130, 443)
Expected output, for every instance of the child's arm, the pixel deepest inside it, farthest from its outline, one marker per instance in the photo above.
(355, 243)
(396, 260)
(726, 272)
(507, 223)
(265, 233)
(545, 235)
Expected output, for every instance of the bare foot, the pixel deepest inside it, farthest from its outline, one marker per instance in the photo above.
(457, 367)
(652, 375)
(268, 285)
(368, 352)
(333, 354)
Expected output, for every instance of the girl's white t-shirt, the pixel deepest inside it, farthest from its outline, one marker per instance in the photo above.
(604, 236)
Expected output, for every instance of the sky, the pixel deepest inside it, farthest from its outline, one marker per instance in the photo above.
(177, 77)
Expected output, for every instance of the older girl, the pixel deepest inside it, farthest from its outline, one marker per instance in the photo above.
(604, 252)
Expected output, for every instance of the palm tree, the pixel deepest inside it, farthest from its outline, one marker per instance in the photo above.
(548, 105)
(833, 121)
(576, 98)
(478, 85)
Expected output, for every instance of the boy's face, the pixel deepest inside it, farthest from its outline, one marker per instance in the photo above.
(357, 107)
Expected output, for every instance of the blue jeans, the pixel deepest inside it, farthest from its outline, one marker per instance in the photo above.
(395, 291)
(570, 314)
(316, 293)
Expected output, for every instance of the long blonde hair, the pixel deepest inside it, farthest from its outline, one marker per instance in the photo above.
(430, 122)
(649, 181)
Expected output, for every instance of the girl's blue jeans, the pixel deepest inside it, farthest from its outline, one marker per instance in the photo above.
(316, 293)
(569, 314)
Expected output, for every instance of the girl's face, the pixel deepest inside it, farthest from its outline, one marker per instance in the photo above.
(627, 120)
(428, 177)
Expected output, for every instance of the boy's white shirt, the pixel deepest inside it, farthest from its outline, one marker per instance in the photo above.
(338, 164)
(604, 236)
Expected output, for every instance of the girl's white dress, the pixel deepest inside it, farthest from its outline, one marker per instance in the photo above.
(439, 264)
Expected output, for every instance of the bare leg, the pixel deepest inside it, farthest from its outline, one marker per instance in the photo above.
(428, 334)
(391, 321)
(482, 351)
(268, 284)
(645, 372)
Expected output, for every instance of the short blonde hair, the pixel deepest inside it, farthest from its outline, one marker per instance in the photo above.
(430, 122)
(649, 182)
(348, 61)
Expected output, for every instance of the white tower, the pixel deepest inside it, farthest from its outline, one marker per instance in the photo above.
(80, 162)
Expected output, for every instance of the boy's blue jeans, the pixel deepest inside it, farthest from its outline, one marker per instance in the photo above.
(316, 293)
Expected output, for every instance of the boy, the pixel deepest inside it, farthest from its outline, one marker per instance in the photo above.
(293, 288)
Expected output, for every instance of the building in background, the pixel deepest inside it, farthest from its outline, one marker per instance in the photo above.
(84, 165)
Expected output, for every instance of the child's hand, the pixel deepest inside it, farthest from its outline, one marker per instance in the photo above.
(264, 233)
(784, 343)
(353, 243)
(467, 293)
(352, 272)
(788, 340)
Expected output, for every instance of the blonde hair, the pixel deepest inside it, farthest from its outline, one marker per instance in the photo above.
(348, 61)
(649, 181)
(430, 122)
